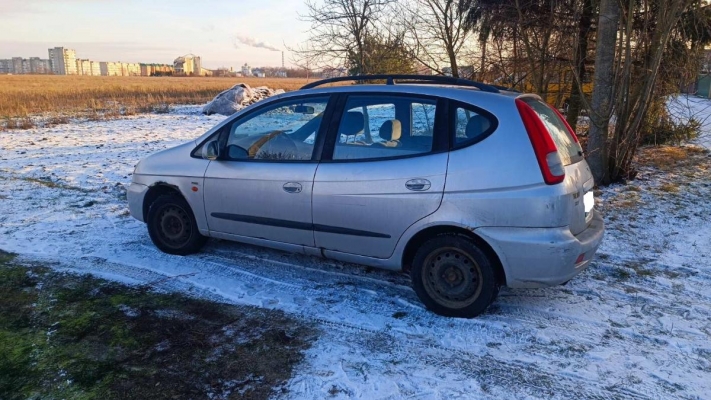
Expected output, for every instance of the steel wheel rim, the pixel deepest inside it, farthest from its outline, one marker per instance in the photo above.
(452, 278)
(174, 226)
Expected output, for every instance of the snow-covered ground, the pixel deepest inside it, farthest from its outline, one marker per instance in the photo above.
(636, 324)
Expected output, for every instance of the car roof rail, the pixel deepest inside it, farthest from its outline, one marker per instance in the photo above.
(390, 80)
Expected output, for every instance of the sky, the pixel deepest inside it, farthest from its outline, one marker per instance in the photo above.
(222, 33)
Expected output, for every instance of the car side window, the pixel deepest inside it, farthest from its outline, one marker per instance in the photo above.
(375, 127)
(285, 131)
(423, 116)
(470, 125)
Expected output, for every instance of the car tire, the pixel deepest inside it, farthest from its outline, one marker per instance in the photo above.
(172, 226)
(454, 277)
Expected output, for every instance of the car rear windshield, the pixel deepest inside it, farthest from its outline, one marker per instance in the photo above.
(569, 150)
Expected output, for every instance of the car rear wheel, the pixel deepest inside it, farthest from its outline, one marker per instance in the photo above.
(453, 277)
(172, 226)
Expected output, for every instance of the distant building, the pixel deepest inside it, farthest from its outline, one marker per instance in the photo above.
(63, 61)
(95, 68)
(6, 66)
(131, 69)
(246, 70)
(26, 66)
(17, 65)
(40, 66)
(108, 68)
(224, 71)
(156, 69)
(83, 67)
(188, 64)
(333, 72)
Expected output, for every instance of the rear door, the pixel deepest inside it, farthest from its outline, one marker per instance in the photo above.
(579, 180)
(383, 170)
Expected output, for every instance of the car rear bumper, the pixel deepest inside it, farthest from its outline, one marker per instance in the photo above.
(136, 194)
(540, 257)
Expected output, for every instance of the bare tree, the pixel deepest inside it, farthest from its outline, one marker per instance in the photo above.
(533, 39)
(437, 31)
(628, 93)
(340, 28)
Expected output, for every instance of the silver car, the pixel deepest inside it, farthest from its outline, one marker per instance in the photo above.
(466, 186)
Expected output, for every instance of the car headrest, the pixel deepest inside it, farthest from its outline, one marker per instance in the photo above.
(391, 130)
(476, 125)
(352, 123)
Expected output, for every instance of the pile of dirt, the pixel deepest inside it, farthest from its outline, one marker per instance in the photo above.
(236, 98)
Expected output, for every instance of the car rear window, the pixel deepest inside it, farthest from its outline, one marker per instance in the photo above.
(569, 150)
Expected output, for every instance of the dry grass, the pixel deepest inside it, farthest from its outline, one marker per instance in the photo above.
(669, 188)
(22, 96)
(667, 157)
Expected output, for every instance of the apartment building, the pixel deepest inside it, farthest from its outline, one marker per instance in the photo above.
(83, 67)
(95, 68)
(110, 68)
(88, 67)
(17, 66)
(132, 69)
(64, 61)
(156, 69)
(40, 66)
(189, 64)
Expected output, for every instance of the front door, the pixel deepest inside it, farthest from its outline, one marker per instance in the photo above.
(261, 185)
(387, 171)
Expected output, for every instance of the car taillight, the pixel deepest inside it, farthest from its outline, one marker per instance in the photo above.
(546, 152)
(567, 125)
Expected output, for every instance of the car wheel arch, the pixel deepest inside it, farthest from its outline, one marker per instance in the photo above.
(425, 234)
(156, 190)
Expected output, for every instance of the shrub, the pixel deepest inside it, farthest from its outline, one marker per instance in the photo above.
(670, 132)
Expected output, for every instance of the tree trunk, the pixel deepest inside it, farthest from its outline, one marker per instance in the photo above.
(580, 57)
(482, 67)
(603, 91)
(453, 62)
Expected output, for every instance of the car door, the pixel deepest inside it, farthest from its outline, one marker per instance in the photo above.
(383, 170)
(260, 186)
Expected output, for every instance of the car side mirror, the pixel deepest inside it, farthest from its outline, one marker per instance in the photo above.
(211, 151)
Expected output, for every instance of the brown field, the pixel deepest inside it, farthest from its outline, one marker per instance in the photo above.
(26, 98)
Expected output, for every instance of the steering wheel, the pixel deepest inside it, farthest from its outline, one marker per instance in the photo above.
(254, 148)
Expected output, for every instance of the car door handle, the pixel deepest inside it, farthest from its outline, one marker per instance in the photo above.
(418, 185)
(292, 187)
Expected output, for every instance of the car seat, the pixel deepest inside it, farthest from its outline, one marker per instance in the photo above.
(390, 132)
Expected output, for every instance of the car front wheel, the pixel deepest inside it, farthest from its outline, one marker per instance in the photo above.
(172, 226)
(453, 277)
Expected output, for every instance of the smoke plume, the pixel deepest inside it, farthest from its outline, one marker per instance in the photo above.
(250, 41)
